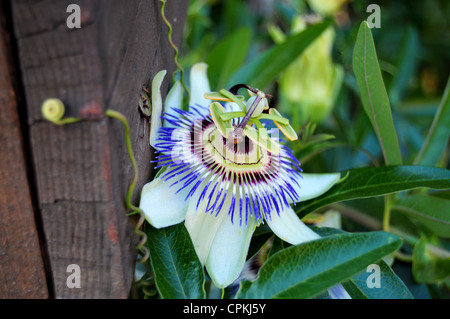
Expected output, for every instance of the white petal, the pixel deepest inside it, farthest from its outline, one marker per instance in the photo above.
(314, 185)
(232, 107)
(202, 227)
(290, 228)
(156, 106)
(331, 218)
(199, 86)
(229, 250)
(162, 207)
(174, 99)
(338, 292)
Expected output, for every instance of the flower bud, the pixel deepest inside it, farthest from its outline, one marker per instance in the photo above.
(326, 7)
(312, 80)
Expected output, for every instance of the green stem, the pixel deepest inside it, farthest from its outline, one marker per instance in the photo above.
(403, 257)
(121, 118)
(141, 234)
(68, 120)
(387, 213)
(175, 48)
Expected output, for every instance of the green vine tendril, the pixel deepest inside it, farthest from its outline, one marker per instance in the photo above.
(175, 48)
(53, 110)
(141, 245)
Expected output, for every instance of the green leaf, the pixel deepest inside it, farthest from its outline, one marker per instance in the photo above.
(373, 95)
(431, 263)
(227, 56)
(391, 286)
(432, 212)
(406, 65)
(264, 68)
(178, 272)
(377, 181)
(317, 139)
(306, 270)
(437, 138)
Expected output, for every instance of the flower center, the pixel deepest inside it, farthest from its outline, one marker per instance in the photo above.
(237, 177)
(243, 155)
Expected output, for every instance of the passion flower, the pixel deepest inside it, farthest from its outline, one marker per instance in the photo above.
(223, 173)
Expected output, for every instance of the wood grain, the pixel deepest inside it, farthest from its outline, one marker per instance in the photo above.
(82, 170)
(22, 273)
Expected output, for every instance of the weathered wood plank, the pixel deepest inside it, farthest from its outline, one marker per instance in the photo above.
(22, 273)
(82, 170)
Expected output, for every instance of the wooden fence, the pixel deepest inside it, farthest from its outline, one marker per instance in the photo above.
(62, 188)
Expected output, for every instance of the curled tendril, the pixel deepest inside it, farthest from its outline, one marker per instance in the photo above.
(175, 48)
(53, 110)
(143, 237)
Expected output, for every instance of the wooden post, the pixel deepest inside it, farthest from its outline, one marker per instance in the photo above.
(22, 273)
(82, 170)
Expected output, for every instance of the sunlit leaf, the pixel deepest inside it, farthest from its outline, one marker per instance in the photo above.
(306, 270)
(390, 285)
(377, 181)
(373, 95)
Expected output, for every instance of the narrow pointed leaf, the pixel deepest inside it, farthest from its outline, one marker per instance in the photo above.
(438, 135)
(432, 212)
(373, 95)
(264, 68)
(178, 272)
(227, 56)
(376, 181)
(306, 270)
